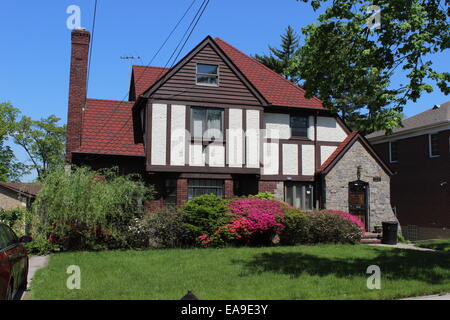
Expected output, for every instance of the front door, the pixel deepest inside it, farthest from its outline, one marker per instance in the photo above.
(358, 203)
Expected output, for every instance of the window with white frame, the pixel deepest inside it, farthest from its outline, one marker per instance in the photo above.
(433, 145)
(199, 187)
(393, 151)
(207, 123)
(207, 74)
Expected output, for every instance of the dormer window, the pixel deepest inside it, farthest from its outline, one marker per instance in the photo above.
(299, 126)
(207, 74)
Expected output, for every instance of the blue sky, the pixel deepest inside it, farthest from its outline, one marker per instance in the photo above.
(35, 55)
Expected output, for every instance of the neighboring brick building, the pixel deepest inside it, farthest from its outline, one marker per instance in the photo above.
(16, 195)
(220, 122)
(419, 155)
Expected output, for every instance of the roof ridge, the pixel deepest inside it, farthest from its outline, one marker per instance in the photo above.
(303, 91)
(154, 67)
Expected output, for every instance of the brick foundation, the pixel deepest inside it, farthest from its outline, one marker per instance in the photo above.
(182, 191)
(228, 189)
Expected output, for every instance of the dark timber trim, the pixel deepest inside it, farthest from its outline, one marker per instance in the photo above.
(168, 134)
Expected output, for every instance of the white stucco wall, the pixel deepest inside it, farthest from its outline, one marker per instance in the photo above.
(178, 136)
(277, 122)
(196, 154)
(216, 153)
(253, 139)
(308, 160)
(311, 127)
(290, 159)
(159, 134)
(325, 152)
(270, 158)
(328, 129)
(235, 140)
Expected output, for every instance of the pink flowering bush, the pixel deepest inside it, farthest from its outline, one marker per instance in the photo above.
(349, 217)
(253, 221)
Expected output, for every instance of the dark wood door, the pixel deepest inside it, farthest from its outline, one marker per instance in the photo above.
(358, 200)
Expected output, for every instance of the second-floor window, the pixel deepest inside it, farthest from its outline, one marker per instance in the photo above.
(299, 126)
(207, 123)
(393, 151)
(207, 74)
(433, 141)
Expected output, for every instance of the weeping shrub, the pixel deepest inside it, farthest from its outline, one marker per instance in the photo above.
(89, 210)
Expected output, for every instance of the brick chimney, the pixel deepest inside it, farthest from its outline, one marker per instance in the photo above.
(77, 89)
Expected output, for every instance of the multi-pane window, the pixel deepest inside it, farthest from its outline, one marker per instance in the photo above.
(207, 74)
(207, 123)
(299, 195)
(198, 187)
(299, 126)
(393, 151)
(434, 145)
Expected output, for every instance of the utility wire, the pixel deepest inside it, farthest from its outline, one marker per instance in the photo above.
(193, 24)
(92, 45)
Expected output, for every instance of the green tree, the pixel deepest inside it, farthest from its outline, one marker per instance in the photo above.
(280, 60)
(43, 141)
(350, 66)
(10, 168)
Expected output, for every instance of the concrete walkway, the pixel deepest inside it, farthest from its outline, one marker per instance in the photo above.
(35, 263)
(444, 296)
(402, 246)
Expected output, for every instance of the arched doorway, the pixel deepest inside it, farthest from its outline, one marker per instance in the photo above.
(358, 201)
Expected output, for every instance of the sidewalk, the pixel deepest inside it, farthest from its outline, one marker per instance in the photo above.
(35, 263)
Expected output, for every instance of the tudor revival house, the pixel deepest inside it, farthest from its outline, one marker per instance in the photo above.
(220, 122)
(419, 154)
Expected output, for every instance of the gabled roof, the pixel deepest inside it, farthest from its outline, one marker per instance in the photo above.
(274, 89)
(344, 146)
(277, 90)
(27, 189)
(429, 118)
(108, 129)
(144, 77)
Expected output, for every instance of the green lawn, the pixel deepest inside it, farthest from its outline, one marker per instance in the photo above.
(443, 245)
(302, 272)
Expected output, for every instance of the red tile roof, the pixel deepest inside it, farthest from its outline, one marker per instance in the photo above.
(144, 77)
(338, 151)
(276, 90)
(108, 129)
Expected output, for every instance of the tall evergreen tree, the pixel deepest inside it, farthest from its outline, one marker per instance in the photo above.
(280, 60)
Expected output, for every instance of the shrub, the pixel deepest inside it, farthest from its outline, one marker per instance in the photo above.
(327, 227)
(162, 228)
(263, 195)
(253, 221)
(350, 218)
(79, 210)
(205, 214)
(41, 246)
(297, 227)
(10, 217)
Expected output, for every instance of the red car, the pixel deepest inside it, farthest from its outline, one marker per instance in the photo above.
(13, 263)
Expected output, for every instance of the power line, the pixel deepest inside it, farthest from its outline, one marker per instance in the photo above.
(193, 23)
(92, 45)
(151, 60)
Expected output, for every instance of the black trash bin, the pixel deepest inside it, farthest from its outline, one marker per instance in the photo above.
(389, 232)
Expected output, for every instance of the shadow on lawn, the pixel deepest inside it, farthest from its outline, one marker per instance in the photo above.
(394, 264)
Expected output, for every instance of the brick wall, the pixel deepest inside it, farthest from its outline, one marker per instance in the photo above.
(228, 186)
(77, 89)
(182, 191)
(275, 187)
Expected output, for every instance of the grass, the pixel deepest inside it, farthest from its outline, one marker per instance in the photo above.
(301, 272)
(442, 245)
